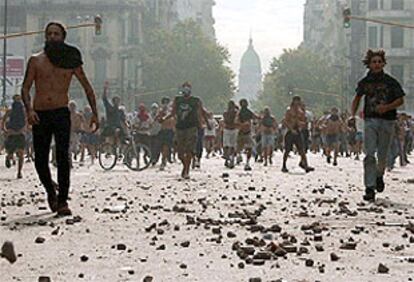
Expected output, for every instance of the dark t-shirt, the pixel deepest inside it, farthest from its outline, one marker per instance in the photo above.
(267, 121)
(187, 112)
(245, 115)
(17, 118)
(114, 116)
(379, 89)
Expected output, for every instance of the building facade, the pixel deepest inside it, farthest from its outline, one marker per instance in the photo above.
(397, 41)
(250, 75)
(200, 11)
(110, 56)
(167, 13)
(324, 34)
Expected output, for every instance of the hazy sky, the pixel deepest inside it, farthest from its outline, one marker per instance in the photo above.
(275, 25)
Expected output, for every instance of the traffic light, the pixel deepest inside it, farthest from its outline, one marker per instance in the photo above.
(98, 25)
(290, 90)
(347, 18)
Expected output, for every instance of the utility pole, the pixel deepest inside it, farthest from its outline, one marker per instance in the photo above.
(3, 102)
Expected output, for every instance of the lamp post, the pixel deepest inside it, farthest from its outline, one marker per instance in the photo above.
(3, 102)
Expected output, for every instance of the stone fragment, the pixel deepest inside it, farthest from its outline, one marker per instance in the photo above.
(348, 246)
(185, 244)
(231, 234)
(309, 262)
(40, 240)
(148, 278)
(161, 248)
(121, 247)
(383, 269)
(334, 257)
(7, 252)
(262, 256)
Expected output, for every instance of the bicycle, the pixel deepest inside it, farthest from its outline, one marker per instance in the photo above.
(135, 155)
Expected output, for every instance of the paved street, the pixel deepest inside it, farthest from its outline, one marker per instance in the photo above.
(130, 225)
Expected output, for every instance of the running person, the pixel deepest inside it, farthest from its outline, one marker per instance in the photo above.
(89, 140)
(268, 128)
(333, 128)
(188, 111)
(76, 120)
(14, 126)
(295, 121)
(244, 138)
(383, 95)
(230, 133)
(166, 134)
(52, 71)
(210, 134)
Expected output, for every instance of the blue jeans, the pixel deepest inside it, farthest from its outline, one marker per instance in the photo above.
(378, 134)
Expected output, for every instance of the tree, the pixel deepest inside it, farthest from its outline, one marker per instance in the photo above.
(300, 72)
(169, 58)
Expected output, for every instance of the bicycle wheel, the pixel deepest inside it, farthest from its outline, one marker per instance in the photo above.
(107, 156)
(138, 159)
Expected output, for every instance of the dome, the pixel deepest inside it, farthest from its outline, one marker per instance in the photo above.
(250, 75)
(251, 59)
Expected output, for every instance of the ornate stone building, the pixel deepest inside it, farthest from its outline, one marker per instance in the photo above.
(199, 10)
(166, 13)
(110, 56)
(324, 34)
(250, 76)
(115, 54)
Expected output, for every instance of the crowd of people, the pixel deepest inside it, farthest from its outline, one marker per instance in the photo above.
(183, 127)
(237, 134)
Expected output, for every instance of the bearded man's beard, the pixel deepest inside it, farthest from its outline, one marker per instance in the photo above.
(62, 55)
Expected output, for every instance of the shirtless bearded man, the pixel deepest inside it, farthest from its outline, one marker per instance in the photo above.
(52, 71)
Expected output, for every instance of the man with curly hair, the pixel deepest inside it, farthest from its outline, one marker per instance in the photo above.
(383, 95)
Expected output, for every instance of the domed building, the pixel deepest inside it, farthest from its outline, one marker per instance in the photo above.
(250, 76)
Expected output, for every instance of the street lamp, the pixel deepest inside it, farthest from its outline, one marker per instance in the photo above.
(3, 102)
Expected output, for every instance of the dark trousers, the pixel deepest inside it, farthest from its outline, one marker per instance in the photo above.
(200, 143)
(53, 123)
(155, 148)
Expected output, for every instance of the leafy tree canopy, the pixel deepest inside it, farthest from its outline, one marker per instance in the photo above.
(301, 72)
(171, 57)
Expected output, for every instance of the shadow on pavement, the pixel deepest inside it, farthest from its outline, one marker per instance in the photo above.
(390, 204)
(32, 220)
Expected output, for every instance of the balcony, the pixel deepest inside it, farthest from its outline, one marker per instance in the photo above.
(391, 14)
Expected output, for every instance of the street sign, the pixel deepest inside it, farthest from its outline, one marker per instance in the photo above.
(14, 76)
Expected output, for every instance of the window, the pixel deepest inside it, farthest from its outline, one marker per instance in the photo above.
(373, 5)
(398, 72)
(372, 37)
(397, 5)
(100, 70)
(397, 37)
